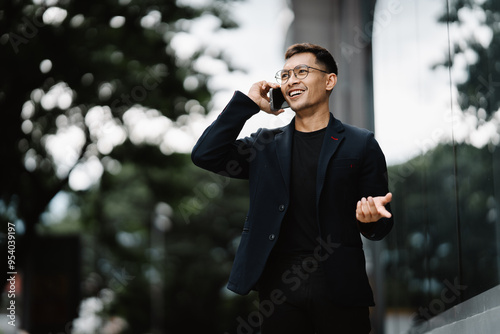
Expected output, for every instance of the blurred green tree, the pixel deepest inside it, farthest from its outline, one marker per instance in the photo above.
(60, 59)
(478, 46)
(77, 76)
(159, 238)
(423, 252)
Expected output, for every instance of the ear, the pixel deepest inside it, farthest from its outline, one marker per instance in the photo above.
(331, 81)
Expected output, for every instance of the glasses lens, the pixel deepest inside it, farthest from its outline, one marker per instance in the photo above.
(301, 71)
(282, 76)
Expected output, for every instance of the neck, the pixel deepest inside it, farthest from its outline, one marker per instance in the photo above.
(309, 122)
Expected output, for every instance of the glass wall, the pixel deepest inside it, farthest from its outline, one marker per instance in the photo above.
(437, 96)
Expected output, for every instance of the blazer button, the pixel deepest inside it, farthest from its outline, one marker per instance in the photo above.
(281, 208)
(272, 237)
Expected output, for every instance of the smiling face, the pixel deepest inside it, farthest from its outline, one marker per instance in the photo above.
(311, 93)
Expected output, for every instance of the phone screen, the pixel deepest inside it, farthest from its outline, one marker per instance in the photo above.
(277, 99)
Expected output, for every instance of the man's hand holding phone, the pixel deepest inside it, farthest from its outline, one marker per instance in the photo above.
(277, 99)
(259, 94)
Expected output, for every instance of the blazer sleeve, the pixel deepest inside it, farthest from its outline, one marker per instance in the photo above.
(218, 149)
(374, 182)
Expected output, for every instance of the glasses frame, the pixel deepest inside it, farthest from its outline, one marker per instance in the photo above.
(279, 74)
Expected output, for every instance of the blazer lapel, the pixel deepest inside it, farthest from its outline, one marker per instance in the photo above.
(284, 152)
(333, 137)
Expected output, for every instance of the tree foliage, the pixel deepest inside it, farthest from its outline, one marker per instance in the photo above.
(161, 237)
(154, 230)
(479, 94)
(60, 59)
(446, 205)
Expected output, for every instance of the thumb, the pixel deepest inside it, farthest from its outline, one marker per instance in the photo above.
(387, 198)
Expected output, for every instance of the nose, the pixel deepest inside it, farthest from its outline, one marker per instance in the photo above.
(293, 78)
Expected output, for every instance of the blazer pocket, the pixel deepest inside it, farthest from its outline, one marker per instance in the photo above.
(344, 175)
(347, 163)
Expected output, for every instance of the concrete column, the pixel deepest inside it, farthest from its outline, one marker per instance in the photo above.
(344, 28)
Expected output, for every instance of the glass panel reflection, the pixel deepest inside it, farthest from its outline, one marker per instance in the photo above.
(437, 100)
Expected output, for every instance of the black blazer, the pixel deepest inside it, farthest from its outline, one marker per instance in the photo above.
(351, 166)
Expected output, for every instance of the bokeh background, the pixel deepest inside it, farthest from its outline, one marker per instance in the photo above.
(117, 232)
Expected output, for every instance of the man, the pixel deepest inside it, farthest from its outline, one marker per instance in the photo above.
(315, 185)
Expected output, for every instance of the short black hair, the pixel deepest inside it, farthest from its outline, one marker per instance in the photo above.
(323, 56)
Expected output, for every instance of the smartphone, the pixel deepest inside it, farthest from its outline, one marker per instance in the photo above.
(277, 99)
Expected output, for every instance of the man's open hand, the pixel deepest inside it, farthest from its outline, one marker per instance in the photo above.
(371, 209)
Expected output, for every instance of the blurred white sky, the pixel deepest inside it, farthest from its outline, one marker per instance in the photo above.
(411, 99)
(415, 108)
(258, 47)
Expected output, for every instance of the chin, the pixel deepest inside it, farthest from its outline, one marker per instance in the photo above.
(298, 107)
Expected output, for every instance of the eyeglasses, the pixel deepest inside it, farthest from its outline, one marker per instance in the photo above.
(300, 71)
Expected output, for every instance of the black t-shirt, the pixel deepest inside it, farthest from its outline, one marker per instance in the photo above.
(299, 230)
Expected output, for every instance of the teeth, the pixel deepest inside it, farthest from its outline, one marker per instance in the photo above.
(295, 92)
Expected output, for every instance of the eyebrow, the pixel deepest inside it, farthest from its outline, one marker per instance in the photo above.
(296, 66)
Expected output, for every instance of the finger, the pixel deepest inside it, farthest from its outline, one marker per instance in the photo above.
(365, 206)
(359, 211)
(384, 213)
(387, 198)
(372, 206)
(266, 86)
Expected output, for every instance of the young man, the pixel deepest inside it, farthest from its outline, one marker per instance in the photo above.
(315, 185)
